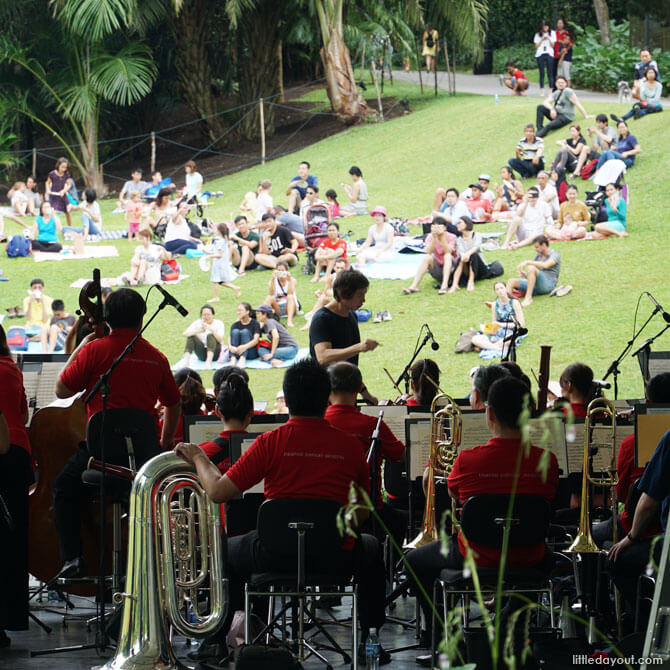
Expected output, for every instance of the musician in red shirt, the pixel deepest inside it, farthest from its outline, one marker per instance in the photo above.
(577, 388)
(490, 469)
(304, 458)
(141, 380)
(16, 476)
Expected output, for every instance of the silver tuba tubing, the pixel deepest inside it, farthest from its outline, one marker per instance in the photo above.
(174, 552)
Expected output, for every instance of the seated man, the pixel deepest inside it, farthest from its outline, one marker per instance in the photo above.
(328, 252)
(297, 188)
(646, 63)
(479, 206)
(54, 336)
(559, 108)
(515, 80)
(133, 185)
(601, 137)
(449, 207)
(548, 193)
(244, 246)
(276, 244)
(539, 276)
(532, 216)
(528, 154)
(38, 311)
(321, 463)
(490, 469)
(484, 181)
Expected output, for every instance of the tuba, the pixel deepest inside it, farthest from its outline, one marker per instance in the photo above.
(445, 439)
(175, 554)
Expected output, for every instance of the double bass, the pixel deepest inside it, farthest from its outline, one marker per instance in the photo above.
(55, 434)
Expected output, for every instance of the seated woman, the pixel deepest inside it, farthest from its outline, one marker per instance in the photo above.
(627, 147)
(244, 336)
(284, 347)
(615, 206)
(650, 97)
(560, 183)
(357, 194)
(508, 194)
(145, 265)
(573, 219)
(178, 237)
(381, 233)
(470, 259)
(282, 295)
(204, 337)
(425, 379)
(568, 155)
(160, 210)
(91, 216)
(45, 230)
(504, 311)
(21, 200)
(577, 388)
(326, 295)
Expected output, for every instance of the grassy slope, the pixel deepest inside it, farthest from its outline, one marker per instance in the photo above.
(447, 142)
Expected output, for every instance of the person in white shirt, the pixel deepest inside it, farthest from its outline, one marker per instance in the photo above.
(194, 180)
(548, 193)
(178, 233)
(544, 41)
(484, 181)
(533, 214)
(91, 216)
(204, 337)
(449, 206)
(263, 199)
(134, 184)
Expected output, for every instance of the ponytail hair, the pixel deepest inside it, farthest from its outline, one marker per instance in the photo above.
(581, 378)
(425, 390)
(193, 395)
(235, 400)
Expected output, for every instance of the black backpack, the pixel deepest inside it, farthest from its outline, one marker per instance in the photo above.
(430, 42)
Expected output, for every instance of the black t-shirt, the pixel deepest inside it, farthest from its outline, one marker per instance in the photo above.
(253, 327)
(340, 331)
(280, 241)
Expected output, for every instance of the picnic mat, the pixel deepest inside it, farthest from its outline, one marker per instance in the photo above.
(68, 254)
(255, 364)
(104, 235)
(117, 281)
(398, 266)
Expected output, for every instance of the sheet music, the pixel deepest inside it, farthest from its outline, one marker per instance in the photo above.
(549, 433)
(260, 487)
(419, 444)
(394, 418)
(31, 382)
(474, 430)
(601, 435)
(203, 431)
(659, 361)
(46, 390)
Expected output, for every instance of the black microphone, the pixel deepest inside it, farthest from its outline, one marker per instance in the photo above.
(171, 300)
(434, 346)
(659, 308)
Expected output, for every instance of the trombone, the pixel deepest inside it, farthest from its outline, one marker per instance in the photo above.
(445, 439)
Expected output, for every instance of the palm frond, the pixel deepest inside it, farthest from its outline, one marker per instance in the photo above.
(80, 102)
(236, 8)
(92, 20)
(466, 22)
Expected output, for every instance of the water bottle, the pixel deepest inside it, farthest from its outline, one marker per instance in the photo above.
(496, 98)
(372, 648)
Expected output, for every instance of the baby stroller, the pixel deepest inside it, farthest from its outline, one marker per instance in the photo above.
(612, 172)
(317, 220)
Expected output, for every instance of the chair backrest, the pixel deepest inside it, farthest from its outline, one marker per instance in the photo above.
(130, 437)
(274, 517)
(482, 520)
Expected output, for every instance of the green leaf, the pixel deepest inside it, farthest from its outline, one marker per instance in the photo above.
(93, 19)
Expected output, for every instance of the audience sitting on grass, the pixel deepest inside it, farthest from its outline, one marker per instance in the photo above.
(601, 136)
(646, 63)
(326, 295)
(573, 219)
(22, 203)
(45, 230)
(263, 199)
(509, 193)
(381, 234)
(357, 194)
(91, 215)
(533, 215)
(515, 79)
(448, 206)
(484, 181)
(471, 264)
(292, 222)
(282, 295)
(627, 146)
(505, 311)
(244, 336)
(54, 335)
(559, 181)
(37, 309)
(297, 187)
(570, 149)
(650, 97)
(333, 204)
(478, 206)
(276, 245)
(204, 338)
(249, 205)
(332, 248)
(283, 346)
(539, 276)
(528, 154)
(440, 255)
(548, 192)
(615, 206)
(244, 244)
(559, 108)
(194, 181)
(145, 265)
(133, 185)
(311, 198)
(161, 209)
(178, 238)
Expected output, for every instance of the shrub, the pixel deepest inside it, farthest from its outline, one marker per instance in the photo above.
(522, 55)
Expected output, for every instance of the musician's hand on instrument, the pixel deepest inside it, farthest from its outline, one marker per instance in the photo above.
(622, 544)
(188, 451)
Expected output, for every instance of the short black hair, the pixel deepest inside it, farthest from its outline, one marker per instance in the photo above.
(37, 280)
(57, 305)
(305, 163)
(355, 170)
(267, 215)
(136, 169)
(602, 118)
(234, 400)
(453, 190)
(509, 63)
(90, 195)
(209, 307)
(347, 283)
(440, 221)
(222, 374)
(485, 376)
(334, 223)
(181, 375)
(506, 399)
(306, 388)
(331, 193)
(658, 388)
(580, 376)
(469, 224)
(314, 188)
(529, 125)
(239, 218)
(541, 239)
(345, 376)
(124, 308)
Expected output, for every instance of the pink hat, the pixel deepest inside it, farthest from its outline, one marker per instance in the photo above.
(378, 210)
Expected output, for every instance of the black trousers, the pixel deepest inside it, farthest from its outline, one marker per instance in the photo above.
(68, 490)
(526, 168)
(16, 476)
(365, 562)
(194, 344)
(53, 247)
(542, 114)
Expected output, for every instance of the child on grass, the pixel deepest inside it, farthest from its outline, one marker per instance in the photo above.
(331, 197)
(133, 215)
(222, 270)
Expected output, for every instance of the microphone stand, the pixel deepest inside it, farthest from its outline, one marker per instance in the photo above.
(517, 331)
(404, 375)
(643, 352)
(614, 366)
(372, 459)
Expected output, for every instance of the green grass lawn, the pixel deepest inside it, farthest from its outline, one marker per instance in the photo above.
(444, 143)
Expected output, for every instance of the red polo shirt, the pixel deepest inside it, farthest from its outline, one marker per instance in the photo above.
(304, 458)
(578, 409)
(142, 377)
(339, 243)
(214, 451)
(489, 469)
(351, 420)
(13, 402)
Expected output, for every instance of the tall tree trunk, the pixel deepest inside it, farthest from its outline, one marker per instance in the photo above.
(89, 153)
(345, 98)
(189, 29)
(603, 18)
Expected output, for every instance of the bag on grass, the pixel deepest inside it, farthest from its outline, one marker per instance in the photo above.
(170, 270)
(588, 169)
(17, 339)
(18, 246)
(464, 342)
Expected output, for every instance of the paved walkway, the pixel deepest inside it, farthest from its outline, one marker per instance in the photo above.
(489, 84)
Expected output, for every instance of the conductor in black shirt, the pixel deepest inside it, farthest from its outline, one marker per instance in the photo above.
(333, 332)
